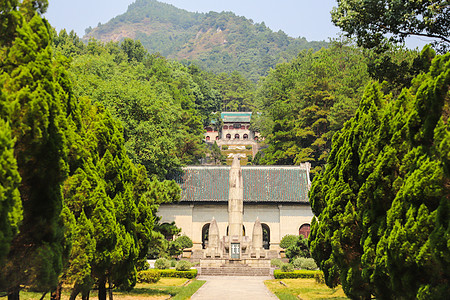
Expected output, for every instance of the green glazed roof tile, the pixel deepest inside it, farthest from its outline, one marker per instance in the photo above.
(261, 184)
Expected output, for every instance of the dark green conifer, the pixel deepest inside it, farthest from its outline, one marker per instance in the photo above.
(36, 111)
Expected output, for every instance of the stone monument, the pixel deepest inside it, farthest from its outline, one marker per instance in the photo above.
(235, 245)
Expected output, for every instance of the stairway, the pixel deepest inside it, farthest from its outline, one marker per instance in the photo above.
(234, 270)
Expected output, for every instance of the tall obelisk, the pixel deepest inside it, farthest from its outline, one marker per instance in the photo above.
(235, 209)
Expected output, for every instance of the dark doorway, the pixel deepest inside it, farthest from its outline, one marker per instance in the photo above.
(266, 236)
(205, 235)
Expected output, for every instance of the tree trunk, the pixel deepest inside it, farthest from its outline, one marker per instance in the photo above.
(85, 295)
(110, 290)
(14, 293)
(101, 289)
(43, 296)
(74, 293)
(56, 294)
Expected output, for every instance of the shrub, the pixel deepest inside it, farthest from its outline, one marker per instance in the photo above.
(192, 273)
(287, 268)
(304, 263)
(148, 276)
(248, 147)
(173, 262)
(278, 274)
(224, 147)
(185, 242)
(319, 277)
(276, 262)
(174, 248)
(298, 249)
(162, 263)
(183, 265)
(288, 240)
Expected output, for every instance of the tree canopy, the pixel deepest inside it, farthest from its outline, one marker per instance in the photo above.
(304, 102)
(373, 20)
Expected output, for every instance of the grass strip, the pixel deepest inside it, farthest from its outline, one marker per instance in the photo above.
(189, 290)
(303, 288)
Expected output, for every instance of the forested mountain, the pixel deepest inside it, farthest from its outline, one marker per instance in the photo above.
(219, 42)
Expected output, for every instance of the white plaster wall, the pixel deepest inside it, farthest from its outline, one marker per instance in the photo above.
(212, 135)
(292, 217)
(282, 219)
(233, 131)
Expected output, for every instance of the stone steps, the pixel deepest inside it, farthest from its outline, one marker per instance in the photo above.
(234, 271)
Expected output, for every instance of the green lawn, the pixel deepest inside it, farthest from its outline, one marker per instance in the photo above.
(303, 288)
(178, 288)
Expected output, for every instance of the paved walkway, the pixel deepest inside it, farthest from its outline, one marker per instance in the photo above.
(233, 288)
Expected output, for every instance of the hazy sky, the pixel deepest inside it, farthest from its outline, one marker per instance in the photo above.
(304, 18)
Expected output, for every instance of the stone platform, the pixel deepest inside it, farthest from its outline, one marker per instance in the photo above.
(241, 267)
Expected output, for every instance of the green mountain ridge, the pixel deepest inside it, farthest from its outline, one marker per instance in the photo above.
(218, 42)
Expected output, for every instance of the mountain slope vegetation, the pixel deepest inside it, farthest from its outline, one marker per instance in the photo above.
(219, 42)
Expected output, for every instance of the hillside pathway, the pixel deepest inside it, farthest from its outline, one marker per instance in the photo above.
(233, 288)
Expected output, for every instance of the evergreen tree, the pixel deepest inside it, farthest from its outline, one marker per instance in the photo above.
(36, 109)
(382, 201)
(113, 203)
(10, 204)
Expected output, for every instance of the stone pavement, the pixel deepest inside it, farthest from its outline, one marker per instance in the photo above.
(233, 288)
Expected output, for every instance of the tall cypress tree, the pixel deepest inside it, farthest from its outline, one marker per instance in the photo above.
(10, 204)
(387, 234)
(37, 115)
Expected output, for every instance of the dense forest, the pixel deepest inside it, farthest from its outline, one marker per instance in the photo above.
(91, 132)
(217, 42)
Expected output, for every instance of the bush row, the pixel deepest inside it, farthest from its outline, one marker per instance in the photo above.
(179, 274)
(278, 274)
(148, 276)
(153, 275)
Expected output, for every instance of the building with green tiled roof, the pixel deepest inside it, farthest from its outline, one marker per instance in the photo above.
(277, 195)
(262, 184)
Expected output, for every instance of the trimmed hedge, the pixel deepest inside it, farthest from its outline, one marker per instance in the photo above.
(278, 274)
(148, 276)
(179, 274)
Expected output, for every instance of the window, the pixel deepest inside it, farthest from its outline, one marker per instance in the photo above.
(304, 230)
(245, 136)
(225, 126)
(236, 136)
(228, 136)
(208, 138)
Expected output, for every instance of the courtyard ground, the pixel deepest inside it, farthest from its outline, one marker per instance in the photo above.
(233, 288)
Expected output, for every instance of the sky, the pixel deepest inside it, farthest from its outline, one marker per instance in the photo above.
(297, 18)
